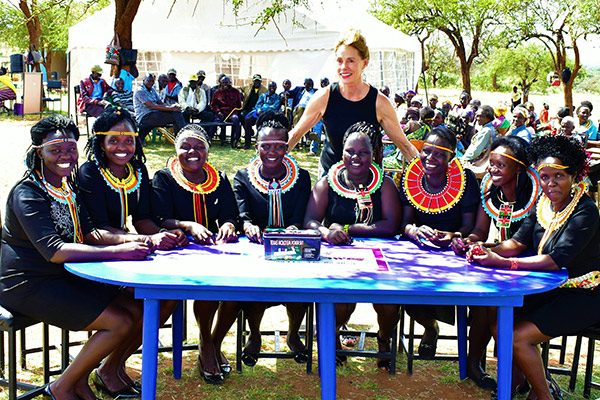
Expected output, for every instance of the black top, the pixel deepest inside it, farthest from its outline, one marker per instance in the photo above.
(339, 115)
(35, 227)
(575, 245)
(171, 201)
(449, 220)
(342, 210)
(104, 203)
(254, 205)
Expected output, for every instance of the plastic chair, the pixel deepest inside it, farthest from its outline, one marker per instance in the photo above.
(51, 87)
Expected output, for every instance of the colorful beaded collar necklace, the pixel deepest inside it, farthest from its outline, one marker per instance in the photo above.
(64, 195)
(274, 188)
(551, 221)
(505, 214)
(199, 190)
(362, 195)
(124, 186)
(433, 203)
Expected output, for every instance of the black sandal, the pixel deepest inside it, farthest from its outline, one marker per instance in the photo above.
(249, 359)
(301, 357)
(210, 378)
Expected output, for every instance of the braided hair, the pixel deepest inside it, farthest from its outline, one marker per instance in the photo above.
(373, 135)
(272, 119)
(518, 146)
(197, 129)
(109, 118)
(567, 149)
(39, 132)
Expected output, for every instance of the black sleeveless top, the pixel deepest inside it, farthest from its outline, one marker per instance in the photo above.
(339, 115)
(342, 210)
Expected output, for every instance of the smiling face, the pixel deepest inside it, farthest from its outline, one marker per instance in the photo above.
(149, 82)
(433, 103)
(272, 88)
(556, 183)
(503, 169)
(583, 114)
(225, 83)
(270, 152)
(464, 99)
(119, 84)
(518, 119)
(192, 154)
(119, 149)
(434, 159)
(438, 119)
(287, 85)
(59, 159)
(349, 64)
(357, 155)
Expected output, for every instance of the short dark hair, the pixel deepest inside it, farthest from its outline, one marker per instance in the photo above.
(567, 149)
(488, 111)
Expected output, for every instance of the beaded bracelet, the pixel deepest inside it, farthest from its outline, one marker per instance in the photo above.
(514, 263)
(346, 227)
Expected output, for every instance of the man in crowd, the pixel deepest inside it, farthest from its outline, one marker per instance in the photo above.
(251, 93)
(162, 86)
(201, 77)
(286, 100)
(192, 100)
(173, 88)
(433, 100)
(151, 112)
(91, 93)
(300, 96)
(266, 101)
(226, 103)
(121, 97)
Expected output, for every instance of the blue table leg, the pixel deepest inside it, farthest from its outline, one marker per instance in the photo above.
(461, 313)
(150, 348)
(326, 343)
(177, 339)
(505, 348)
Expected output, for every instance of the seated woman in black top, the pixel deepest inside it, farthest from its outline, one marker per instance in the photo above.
(509, 192)
(349, 202)
(114, 181)
(440, 201)
(564, 231)
(191, 195)
(46, 225)
(272, 192)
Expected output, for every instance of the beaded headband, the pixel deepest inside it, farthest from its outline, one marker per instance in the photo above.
(555, 166)
(117, 133)
(273, 142)
(55, 141)
(435, 146)
(191, 134)
(509, 156)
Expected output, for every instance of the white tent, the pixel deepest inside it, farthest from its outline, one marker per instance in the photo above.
(207, 35)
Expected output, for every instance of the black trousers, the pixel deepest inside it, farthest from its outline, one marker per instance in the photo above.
(160, 118)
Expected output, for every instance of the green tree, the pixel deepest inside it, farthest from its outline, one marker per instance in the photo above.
(439, 60)
(525, 64)
(560, 26)
(42, 23)
(471, 26)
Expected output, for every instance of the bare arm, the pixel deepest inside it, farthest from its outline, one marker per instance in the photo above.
(161, 107)
(389, 120)
(499, 257)
(313, 114)
(315, 212)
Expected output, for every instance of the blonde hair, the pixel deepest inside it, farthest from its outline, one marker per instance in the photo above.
(355, 39)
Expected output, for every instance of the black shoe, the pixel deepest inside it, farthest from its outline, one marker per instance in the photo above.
(211, 379)
(249, 359)
(484, 382)
(126, 393)
(301, 357)
(137, 386)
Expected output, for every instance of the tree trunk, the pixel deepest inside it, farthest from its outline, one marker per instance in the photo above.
(125, 12)
(525, 92)
(568, 93)
(33, 25)
(495, 82)
(434, 80)
(465, 73)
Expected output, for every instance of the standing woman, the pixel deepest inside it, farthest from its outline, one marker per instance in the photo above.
(46, 226)
(564, 232)
(348, 101)
(509, 192)
(272, 192)
(348, 202)
(191, 195)
(440, 201)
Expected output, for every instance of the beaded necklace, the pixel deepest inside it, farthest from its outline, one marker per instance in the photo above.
(505, 215)
(199, 190)
(433, 203)
(551, 221)
(362, 195)
(274, 188)
(123, 187)
(64, 195)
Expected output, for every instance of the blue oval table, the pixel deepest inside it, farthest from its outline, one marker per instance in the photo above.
(368, 271)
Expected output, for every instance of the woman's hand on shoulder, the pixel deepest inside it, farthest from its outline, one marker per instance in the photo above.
(226, 233)
(132, 250)
(337, 236)
(253, 233)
